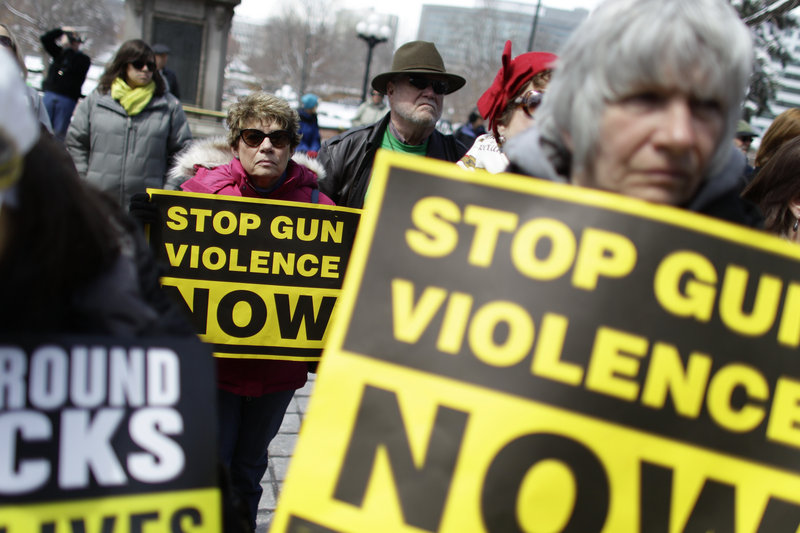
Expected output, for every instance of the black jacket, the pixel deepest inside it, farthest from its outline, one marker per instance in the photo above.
(348, 159)
(68, 69)
(172, 82)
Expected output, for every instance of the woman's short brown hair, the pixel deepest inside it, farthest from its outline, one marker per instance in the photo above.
(775, 186)
(784, 127)
(261, 106)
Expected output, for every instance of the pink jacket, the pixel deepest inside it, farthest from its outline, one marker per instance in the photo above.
(231, 180)
(256, 377)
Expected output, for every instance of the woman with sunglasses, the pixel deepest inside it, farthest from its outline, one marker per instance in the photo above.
(508, 106)
(124, 133)
(256, 160)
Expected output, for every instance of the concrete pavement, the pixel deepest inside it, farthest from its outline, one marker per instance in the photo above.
(280, 453)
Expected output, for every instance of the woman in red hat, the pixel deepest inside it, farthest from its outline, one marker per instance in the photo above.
(508, 105)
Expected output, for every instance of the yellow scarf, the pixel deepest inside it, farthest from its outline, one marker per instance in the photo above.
(133, 100)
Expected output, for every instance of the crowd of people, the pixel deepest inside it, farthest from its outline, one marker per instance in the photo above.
(644, 100)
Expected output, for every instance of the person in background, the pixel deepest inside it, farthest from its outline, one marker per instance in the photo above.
(784, 127)
(415, 86)
(742, 141)
(744, 137)
(70, 260)
(125, 133)
(257, 160)
(508, 104)
(471, 129)
(371, 110)
(776, 191)
(162, 52)
(629, 111)
(9, 42)
(65, 76)
(309, 127)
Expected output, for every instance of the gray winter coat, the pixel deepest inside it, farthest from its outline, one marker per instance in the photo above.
(124, 155)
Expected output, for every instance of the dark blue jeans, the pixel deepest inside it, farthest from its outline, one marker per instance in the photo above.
(246, 427)
(60, 109)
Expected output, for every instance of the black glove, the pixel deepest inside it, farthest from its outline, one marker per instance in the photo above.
(142, 209)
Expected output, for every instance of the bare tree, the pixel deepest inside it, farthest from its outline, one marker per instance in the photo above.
(768, 19)
(478, 55)
(296, 46)
(97, 21)
(773, 8)
(304, 49)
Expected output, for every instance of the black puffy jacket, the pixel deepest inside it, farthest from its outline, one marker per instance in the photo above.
(68, 70)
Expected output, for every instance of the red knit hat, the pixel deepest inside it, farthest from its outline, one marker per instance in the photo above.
(513, 74)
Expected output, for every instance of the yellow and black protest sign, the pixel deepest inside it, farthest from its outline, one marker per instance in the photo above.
(259, 278)
(107, 435)
(517, 355)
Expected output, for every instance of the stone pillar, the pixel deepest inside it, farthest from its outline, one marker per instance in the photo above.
(196, 32)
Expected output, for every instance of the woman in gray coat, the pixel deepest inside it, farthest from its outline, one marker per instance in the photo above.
(124, 134)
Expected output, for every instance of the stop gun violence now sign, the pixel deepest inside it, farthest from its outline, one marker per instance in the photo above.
(517, 355)
(259, 278)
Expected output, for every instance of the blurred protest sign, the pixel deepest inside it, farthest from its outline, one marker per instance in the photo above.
(107, 434)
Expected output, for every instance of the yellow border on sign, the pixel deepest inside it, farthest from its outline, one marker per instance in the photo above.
(247, 199)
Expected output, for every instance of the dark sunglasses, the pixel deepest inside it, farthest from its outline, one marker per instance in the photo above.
(254, 138)
(7, 42)
(422, 83)
(529, 101)
(139, 65)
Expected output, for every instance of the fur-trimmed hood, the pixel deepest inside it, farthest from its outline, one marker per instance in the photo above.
(215, 151)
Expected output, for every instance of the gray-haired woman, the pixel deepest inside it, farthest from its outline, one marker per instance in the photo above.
(644, 102)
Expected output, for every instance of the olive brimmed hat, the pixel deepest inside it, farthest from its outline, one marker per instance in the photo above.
(418, 57)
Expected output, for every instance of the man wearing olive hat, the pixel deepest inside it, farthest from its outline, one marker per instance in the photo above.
(415, 88)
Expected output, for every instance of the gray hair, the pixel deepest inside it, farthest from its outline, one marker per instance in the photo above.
(699, 46)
